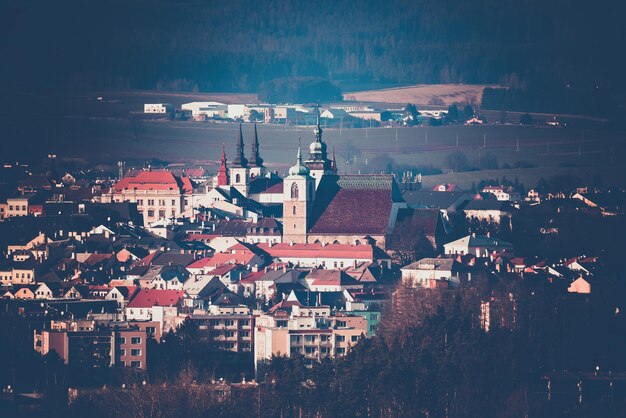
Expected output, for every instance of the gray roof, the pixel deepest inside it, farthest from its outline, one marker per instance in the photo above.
(444, 264)
(432, 199)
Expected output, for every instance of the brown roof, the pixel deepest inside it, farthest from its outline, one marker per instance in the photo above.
(354, 204)
(266, 185)
(421, 220)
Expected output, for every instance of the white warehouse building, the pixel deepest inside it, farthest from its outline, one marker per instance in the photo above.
(157, 108)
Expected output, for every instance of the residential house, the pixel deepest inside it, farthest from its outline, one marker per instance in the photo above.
(479, 245)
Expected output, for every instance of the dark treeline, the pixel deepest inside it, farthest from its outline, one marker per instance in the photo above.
(432, 358)
(239, 45)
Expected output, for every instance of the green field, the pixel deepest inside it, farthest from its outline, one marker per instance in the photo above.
(88, 131)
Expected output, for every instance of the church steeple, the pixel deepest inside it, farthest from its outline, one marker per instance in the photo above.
(240, 160)
(255, 159)
(222, 174)
(333, 162)
(239, 171)
(318, 162)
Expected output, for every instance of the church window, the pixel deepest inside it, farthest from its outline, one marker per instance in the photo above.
(294, 210)
(294, 191)
(237, 178)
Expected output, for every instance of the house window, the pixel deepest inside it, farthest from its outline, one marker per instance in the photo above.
(150, 202)
(161, 214)
(150, 213)
(244, 322)
(355, 338)
(229, 322)
(294, 191)
(161, 202)
(340, 338)
(122, 352)
(245, 334)
(230, 334)
(135, 340)
(173, 202)
(136, 364)
(341, 350)
(135, 352)
(122, 340)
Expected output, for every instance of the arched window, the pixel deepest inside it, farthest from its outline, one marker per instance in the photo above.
(294, 210)
(237, 178)
(294, 191)
(335, 242)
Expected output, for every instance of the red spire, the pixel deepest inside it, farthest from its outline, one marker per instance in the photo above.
(222, 174)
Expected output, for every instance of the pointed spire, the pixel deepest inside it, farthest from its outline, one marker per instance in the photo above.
(299, 169)
(318, 129)
(333, 163)
(240, 160)
(256, 160)
(223, 178)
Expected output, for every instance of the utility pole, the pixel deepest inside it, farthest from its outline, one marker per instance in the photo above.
(457, 140)
(517, 148)
(485, 140)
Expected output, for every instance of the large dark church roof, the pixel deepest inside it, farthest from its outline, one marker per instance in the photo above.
(354, 204)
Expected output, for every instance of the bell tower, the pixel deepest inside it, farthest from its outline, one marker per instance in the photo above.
(298, 198)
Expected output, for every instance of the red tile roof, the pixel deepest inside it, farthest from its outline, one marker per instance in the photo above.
(147, 298)
(317, 250)
(155, 180)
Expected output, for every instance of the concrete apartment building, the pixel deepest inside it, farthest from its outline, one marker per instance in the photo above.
(309, 331)
(227, 331)
(82, 343)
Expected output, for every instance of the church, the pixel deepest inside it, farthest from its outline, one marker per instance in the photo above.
(318, 205)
